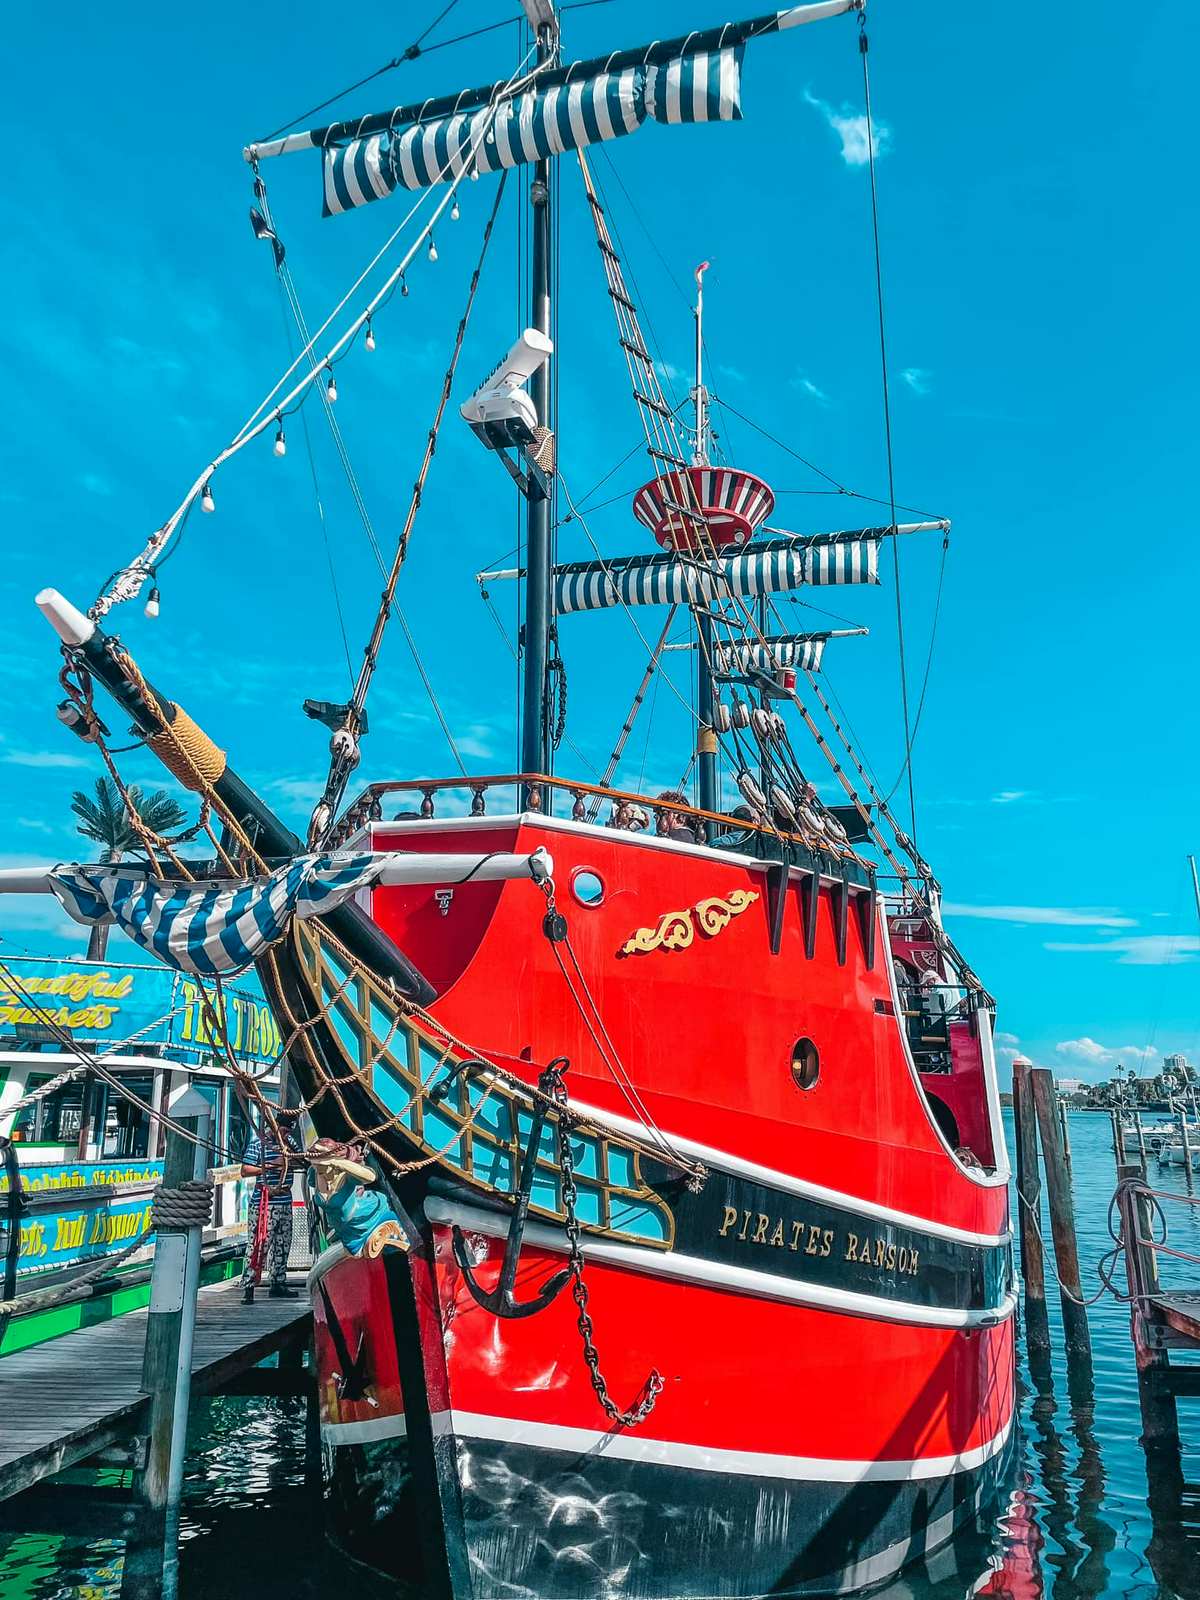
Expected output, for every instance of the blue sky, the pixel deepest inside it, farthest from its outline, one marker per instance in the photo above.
(1039, 264)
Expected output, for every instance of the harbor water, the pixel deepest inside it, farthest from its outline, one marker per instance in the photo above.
(1088, 1514)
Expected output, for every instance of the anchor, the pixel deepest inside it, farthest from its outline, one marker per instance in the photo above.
(501, 1301)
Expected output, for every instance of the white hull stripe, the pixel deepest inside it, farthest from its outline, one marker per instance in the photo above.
(718, 1275)
(622, 1446)
(366, 1431)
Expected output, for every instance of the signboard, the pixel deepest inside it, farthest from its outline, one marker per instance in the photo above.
(85, 1174)
(83, 1233)
(101, 1003)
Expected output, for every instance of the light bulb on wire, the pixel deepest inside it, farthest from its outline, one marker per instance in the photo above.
(280, 441)
(207, 503)
(151, 606)
(432, 249)
(331, 386)
(455, 213)
(369, 341)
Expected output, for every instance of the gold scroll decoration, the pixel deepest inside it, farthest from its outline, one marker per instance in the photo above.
(676, 929)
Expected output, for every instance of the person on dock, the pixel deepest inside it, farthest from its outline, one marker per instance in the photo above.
(268, 1241)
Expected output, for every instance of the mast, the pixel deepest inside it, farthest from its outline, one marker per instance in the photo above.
(536, 753)
(706, 739)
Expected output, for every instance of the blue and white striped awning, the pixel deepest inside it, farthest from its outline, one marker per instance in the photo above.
(208, 929)
(668, 580)
(701, 87)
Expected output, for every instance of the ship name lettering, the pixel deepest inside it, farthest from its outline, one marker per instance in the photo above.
(809, 1238)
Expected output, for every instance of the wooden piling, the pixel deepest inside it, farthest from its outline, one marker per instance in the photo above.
(1029, 1195)
(1187, 1147)
(1141, 1136)
(1160, 1419)
(1065, 1132)
(1062, 1219)
(1118, 1134)
(152, 1556)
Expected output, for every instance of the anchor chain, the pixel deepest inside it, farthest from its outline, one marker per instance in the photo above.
(551, 1083)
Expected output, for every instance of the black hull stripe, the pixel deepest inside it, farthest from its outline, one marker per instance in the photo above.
(723, 1275)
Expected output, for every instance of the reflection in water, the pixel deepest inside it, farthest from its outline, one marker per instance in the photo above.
(1092, 1516)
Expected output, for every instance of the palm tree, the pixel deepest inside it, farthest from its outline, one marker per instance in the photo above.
(106, 821)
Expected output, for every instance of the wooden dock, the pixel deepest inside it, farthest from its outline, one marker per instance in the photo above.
(65, 1400)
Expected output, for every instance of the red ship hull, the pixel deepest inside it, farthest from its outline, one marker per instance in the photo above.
(831, 1317)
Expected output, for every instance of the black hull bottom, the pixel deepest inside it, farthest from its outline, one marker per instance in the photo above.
(548, 1525)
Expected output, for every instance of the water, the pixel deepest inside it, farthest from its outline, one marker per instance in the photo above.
(1086, 1518)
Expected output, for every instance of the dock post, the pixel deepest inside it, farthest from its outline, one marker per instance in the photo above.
(1065, 1133)
(1062, 1219)
(1118, 1137)
(1029, 1195)
(1187, 1147)
(1160, 1419)
(1141, 1133)
(151, 1563)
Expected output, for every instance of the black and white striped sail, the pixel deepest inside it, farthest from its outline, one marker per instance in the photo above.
(693, 78)
(800, 650)
(773, 567)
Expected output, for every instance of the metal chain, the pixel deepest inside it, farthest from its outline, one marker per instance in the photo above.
(551, 1083)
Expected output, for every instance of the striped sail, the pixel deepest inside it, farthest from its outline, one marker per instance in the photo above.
(700, 87)
(208, 929)
(801, 651)
(667, 580)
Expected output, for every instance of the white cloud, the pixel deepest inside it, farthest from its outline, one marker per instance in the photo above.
(42, 758)
(1006, 1038)
(1056, 916)
(734, 374)
(1140, 949)
(667, 370)
(476, 741)
(917, 379)
(851, 129)
(35, 824)
(808, 387)
(295, 792)
(1091, 1053)
(1006, 797)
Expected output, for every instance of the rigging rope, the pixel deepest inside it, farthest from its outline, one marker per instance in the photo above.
(863, 50)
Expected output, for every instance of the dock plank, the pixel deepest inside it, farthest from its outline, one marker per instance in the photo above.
(1180, 1311)
(63, 1400)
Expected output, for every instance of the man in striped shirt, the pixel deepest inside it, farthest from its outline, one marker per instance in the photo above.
(271, 1161)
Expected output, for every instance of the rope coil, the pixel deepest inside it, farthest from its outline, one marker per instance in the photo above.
(188, 1206)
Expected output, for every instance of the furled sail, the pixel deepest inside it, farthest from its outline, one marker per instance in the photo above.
(694, 78)
(774, 567)
(800, 650)
(208, 929)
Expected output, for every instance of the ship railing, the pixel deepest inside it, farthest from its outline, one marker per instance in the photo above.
(540, 792)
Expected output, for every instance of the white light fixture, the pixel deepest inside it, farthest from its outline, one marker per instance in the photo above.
(331, 386)
(369, 341)
(280, 441)
(152, 599)
(432, 249)
(455, 213)
(207, 503)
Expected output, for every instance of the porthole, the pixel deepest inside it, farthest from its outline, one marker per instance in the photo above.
(587, 886)
(806, 1064)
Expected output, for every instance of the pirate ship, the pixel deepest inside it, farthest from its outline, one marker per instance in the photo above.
(688, 1270)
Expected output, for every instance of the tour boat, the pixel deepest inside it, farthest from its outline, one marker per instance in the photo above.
(661, 1175)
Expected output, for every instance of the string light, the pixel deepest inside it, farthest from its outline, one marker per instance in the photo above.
(403, 287)
(455, 213)
(432, 249)
(151, 606)
(369, 341)
(207, 503)
(331, 386)
(280, 441)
